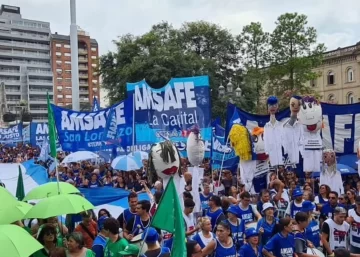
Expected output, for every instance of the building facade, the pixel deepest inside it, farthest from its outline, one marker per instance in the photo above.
(88, 66)
(339, 76)
(25, 66)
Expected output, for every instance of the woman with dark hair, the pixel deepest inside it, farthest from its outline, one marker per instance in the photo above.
(282, 243)
(58, 252)
(75, 245)
(351, 194)
(104, 212)
(323, 196)
(46, 237)
(223, 245)
(120, 183)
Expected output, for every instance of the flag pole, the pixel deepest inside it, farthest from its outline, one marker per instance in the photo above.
(223, 159)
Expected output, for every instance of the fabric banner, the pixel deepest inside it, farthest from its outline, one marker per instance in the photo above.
(26, 133)
(11, 134)
(169, 111)
(79, 131)
(341, 130)
(39, 132)
(221, 151)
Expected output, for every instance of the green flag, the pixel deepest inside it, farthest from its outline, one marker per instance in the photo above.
(169, 217)
(52, 131)
(20, 191)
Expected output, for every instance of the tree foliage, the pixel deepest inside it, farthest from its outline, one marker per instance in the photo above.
(258, 62)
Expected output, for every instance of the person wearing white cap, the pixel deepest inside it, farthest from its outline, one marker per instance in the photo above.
(266, 225)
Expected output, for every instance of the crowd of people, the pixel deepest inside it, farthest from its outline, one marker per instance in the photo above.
(293, 216)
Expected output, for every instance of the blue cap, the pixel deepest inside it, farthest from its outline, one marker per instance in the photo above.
(250, 232)
(272, 100)
(233, 209)
(151, 234)
(101, 221)
(297, 192)
(307, 206)
(297, 97)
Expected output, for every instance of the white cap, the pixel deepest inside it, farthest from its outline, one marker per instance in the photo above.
(267, 206)
(70, 181)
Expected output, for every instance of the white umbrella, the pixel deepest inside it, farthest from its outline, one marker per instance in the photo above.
(141, 155)
(125, 163)
(80, 156)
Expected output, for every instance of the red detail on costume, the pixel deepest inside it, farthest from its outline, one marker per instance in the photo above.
(185, 133)
(170, 171)
(262, 157)
(311, 127)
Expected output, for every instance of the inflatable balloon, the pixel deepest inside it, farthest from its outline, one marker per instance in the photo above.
(164, 161)
(195, 147)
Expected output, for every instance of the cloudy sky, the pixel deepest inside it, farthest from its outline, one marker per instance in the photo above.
(337, 21)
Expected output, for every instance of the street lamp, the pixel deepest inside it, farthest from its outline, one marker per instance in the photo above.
(221, 91)
(238, 92)
(229, 87)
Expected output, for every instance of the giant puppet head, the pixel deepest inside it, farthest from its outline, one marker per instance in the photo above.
(258, 141)
(329, 158)
(240, 140)
(273, 105)
(295, 104)
(310, 115)
(164, 160)
(195, 147)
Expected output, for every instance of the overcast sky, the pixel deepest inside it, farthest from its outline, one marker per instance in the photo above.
(337, 21)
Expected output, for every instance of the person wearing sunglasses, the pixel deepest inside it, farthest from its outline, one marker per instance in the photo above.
(328, 208)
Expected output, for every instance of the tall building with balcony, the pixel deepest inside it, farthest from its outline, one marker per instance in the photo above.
(88, 64)
(25, 65)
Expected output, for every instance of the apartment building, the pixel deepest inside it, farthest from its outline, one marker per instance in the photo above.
(88, 65)
(25, 66)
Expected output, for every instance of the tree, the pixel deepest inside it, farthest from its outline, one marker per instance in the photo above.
(197, 48)
(294, 55)
(254, 47)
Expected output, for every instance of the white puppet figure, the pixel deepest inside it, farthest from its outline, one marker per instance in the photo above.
(310, 117)
(292, 132)
(164, 162)
(195, 147)
(273, 134)
(330, 175)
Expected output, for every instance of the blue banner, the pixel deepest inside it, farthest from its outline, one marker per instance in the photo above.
(39, 132)
(221, 151)
(169, 111)
(11, 134)
(96, 106)
(84, 130)
(341, 130)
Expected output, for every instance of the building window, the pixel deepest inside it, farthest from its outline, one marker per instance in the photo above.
(67, 54)
(331, 78)
(59, 96)
(67, 62)
(68, 96)
(93, 57)
(58, 54)
(350, 98)
(313, 83)
(58, 45)
(350, 75)
(67, 46)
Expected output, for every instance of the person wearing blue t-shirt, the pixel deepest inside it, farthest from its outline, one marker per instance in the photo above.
(215, 212)
(296, 204)
(237, 227)
(301, 241)
(251, 249)
(245, 210)
(205, 197)
(327, 209)
(282, 244)
(312, 231)
(100, 240)
(266, 225)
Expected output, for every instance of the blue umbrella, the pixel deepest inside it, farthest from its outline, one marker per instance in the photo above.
(344, 170)
(126, 163)
(348, 159)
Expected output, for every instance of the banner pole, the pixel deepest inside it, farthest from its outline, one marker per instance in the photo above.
(222, 162)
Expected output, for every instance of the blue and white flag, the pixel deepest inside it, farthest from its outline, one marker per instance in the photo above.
(11, 134)
(44, 152)
(341, 130)
(96, 106)
(169, 111)
(84, 131)
(39, 132)
(26, 133)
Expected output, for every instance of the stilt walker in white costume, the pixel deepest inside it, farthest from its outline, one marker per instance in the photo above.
(330, 175)
(310, 117)
(292, 132)
(273, 134)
